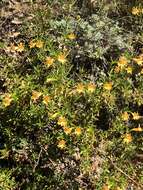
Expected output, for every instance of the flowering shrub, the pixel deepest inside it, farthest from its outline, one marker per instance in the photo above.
(71, 101)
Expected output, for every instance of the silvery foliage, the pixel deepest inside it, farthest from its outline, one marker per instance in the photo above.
(101, 35)
(97, 35)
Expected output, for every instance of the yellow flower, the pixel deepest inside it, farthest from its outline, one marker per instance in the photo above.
(46, 99)
(49, 61)
(138, 129)
(80, 88)
(125, 116)
(91, 87)
(138, 60)
(7, 100)
(129, 70)
(136, 116)
(122, 61)
(108, 86)
(20, 47)
(35, 95)
(39, 44)
(72, 36)
(135, 11)
(78, 131)
(62, 121)
(62, 58)
(127, 138)
(67, 130)
(32, 44)
(62, 144)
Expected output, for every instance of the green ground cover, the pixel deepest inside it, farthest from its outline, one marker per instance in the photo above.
(71, 96)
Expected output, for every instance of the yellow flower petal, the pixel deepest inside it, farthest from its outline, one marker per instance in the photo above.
(32, 44)
(122, 61)
(46, 99)
(62, 58)
(49, 61)
(138, 60)
(136, 116)
(78, 131)
(67, 130)
(39, 44)
(20, 47)
(108, 86)
(35, 95)
(127, 138)
(72, 36)
(125, 116)
(135, 11)
(91, 87)
(62, 121)
(62, 144)
(7, 100)
(138, 129)
(80, 88)
(129, 70)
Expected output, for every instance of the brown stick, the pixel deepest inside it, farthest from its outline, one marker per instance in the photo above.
(36, 163)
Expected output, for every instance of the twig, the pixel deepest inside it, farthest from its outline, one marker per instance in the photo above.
(36, 163)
